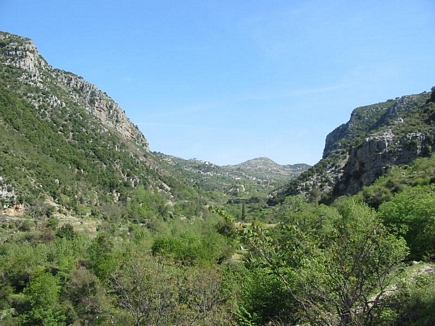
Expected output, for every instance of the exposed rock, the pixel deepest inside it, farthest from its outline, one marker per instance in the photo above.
(7, 194)
(373, 157)
(22, 53)
(100, 105)
(368, 119)
(358, 152)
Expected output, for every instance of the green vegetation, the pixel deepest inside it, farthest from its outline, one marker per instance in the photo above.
(96, 230)
(321, 264)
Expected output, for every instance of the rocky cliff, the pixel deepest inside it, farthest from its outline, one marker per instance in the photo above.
(64, 141)
(35, 72)
(375, 138)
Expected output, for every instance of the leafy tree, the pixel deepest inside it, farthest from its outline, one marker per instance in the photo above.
(264, 299)
(101, 255)
(66, 231)
(411, 215)
(335, 275)
(84, 298)
(190, 248)
(145, 205)
(243, 214)
(53, 223)
(43, 307)
(157, 292)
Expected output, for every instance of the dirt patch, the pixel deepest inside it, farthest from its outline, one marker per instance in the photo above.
(16, 210)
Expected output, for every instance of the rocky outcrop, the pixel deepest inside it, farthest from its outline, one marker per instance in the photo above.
(375, 138)
(101, 106)
(23, 54)
(376, 154)
(386, 145)
(7, 194)
(367, 119)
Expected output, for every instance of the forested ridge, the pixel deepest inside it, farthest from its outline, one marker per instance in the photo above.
(95, 229)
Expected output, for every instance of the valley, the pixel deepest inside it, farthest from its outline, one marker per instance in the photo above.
(96, 229)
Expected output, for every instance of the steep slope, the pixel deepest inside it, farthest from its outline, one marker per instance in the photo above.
(66, 143)
(376, 137)
(57, 89)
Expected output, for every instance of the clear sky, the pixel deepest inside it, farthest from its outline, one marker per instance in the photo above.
(226, 81)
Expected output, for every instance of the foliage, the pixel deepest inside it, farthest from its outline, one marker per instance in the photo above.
(334, 270)
(153, 253)
(64, 154)
(420, 172)
(412, 301)
(145, 205)
(190, 248)
(411, 215)
(157, 292)
(42, 306)
(84, 298)
(66, 231)
(264, 299)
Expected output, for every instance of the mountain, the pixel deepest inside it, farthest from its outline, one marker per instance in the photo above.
(376, 137)
(67, 147)
(59, 88)
(152, 251)
(264, 167)
(259, 175)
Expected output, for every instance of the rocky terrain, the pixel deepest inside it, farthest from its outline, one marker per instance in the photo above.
(67, 142)
(36, 72)
(79, 115)
(376, 137)
(69, 146)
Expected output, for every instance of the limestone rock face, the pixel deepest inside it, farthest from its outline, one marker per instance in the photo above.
(381, 145)
(7, 193)
(375, 138)
(100, 105)
(376, 154)
(332, 139)
(23, 54)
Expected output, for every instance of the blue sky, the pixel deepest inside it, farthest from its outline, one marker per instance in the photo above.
(227, 81)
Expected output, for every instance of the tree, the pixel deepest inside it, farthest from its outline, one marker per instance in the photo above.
(190, 248)
(43, 307)
(145, 291)
(101, 255)
(85, 298)
(411, 215)
(66, 231)
(336, 270)
(157, 292)
(243, 215)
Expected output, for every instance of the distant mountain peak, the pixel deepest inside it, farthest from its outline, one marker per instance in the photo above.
(259, 160)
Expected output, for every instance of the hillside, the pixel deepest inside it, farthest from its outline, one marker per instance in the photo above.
(259, 175)
(75, 147)
(375, 138)
(267, 170)
(67, 147)
(95, 229)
